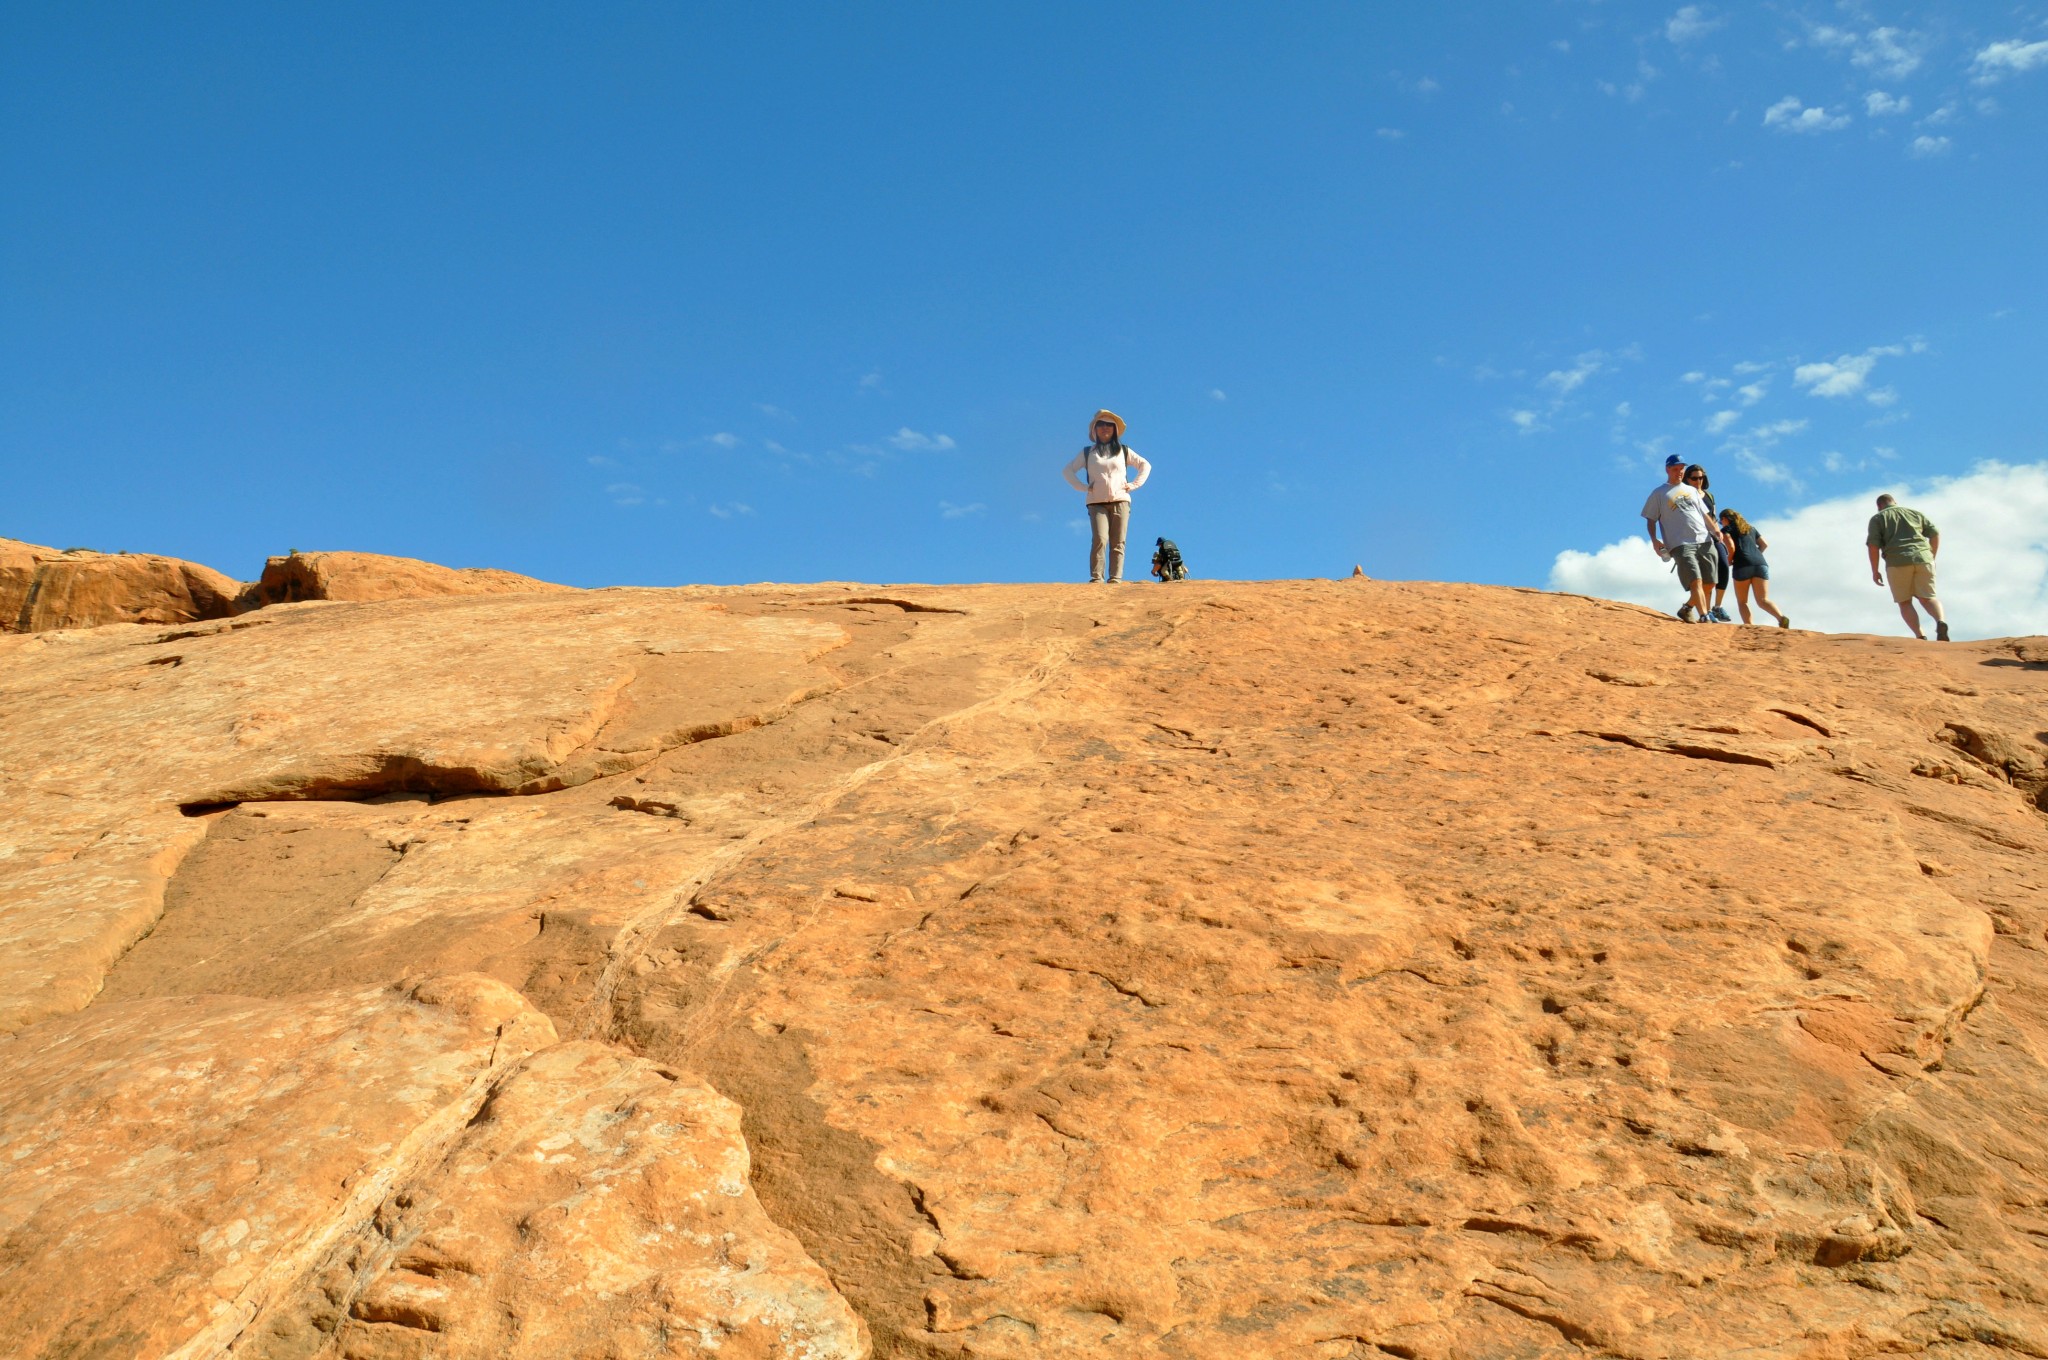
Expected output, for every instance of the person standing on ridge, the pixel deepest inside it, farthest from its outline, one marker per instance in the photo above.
(1680, 511)
(1909, 542)
(1107, 472)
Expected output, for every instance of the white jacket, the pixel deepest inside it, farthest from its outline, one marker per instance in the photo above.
(1107, 474)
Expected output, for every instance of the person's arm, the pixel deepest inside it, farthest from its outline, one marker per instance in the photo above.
(1140, 466)
(1761, 545)
(1074, 467)
(1656, 543)
(1933, 544)
(1875, 574)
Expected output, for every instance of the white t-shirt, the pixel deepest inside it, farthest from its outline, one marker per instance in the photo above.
(1682, 510)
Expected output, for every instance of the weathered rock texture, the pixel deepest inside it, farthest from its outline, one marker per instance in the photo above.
(370, 576)
(43, 589)
(1291, 970)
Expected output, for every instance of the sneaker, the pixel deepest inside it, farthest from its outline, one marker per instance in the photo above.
(1784, 620)
(1685, 610)
(1940, 628)
(1719, 615)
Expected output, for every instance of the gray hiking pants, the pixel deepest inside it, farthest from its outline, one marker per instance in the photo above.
(1108, 523)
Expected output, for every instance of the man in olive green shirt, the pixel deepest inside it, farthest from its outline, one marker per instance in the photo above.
(1909, 541)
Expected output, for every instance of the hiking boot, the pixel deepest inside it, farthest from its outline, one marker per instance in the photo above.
(1940, 631)
(1784, 620)
(1685, 610)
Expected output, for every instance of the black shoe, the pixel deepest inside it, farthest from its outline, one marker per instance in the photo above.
(1940, 630)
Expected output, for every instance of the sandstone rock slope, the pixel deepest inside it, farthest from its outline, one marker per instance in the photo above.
(1290, 969)
(42, 589)
(371, 576)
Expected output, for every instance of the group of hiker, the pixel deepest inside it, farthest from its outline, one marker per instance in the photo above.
(1711, 548)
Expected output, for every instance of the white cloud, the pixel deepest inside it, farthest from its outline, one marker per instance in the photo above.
(1565, 381)
(1560, 45)
(1888, 52)
(1992, 571)
(2009, 58)
(1882, 397)
(1528, 422)
(871, 381)
(948, 510)
(772, 411)
(1389, 134)
(1751, 451)
(1789, 115)
(1426, 85)
(1878, 104)
(723, 440)
(1924, 146)
(730, 509)
(625, 493)
(1845, 376)
(1751, 393)
(1689, 23)
(1749, 366)
(1942, 117)
(1692, 377)
(913, 441)
(1217, 394)
(599, 460)
(1721, 420)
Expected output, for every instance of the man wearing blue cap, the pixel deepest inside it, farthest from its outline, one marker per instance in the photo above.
(1679, 510)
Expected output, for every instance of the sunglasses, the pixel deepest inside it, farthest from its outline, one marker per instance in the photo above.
(1695, 479)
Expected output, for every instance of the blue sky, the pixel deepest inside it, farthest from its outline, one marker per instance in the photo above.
(666, 293)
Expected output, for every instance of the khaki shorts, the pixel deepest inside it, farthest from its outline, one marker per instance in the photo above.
(1910, 582)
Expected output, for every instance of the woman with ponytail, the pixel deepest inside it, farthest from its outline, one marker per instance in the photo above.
(1752, 573)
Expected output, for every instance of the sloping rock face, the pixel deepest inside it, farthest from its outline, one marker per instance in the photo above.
(1292, 969)
(42, 589)
(370, 576)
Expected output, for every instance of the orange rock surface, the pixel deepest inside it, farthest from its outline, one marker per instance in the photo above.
(43, 589)
(1212, 970)
(371, 576)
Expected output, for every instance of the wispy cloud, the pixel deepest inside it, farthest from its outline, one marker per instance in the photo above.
(1217, 394)
(1749, 394)
(724, 439)
(1847, 375)
(625, 493)
(948, 510)
(1720, 421)
(1924, 146)
(730, 509)
(1565, 381)
(1791, 115)
(871, 381)
(1688, 24)
(2009, 58)
(773, 412)
(1389, 134)
(1878, 104)
(1892, 53)
(914, 441)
